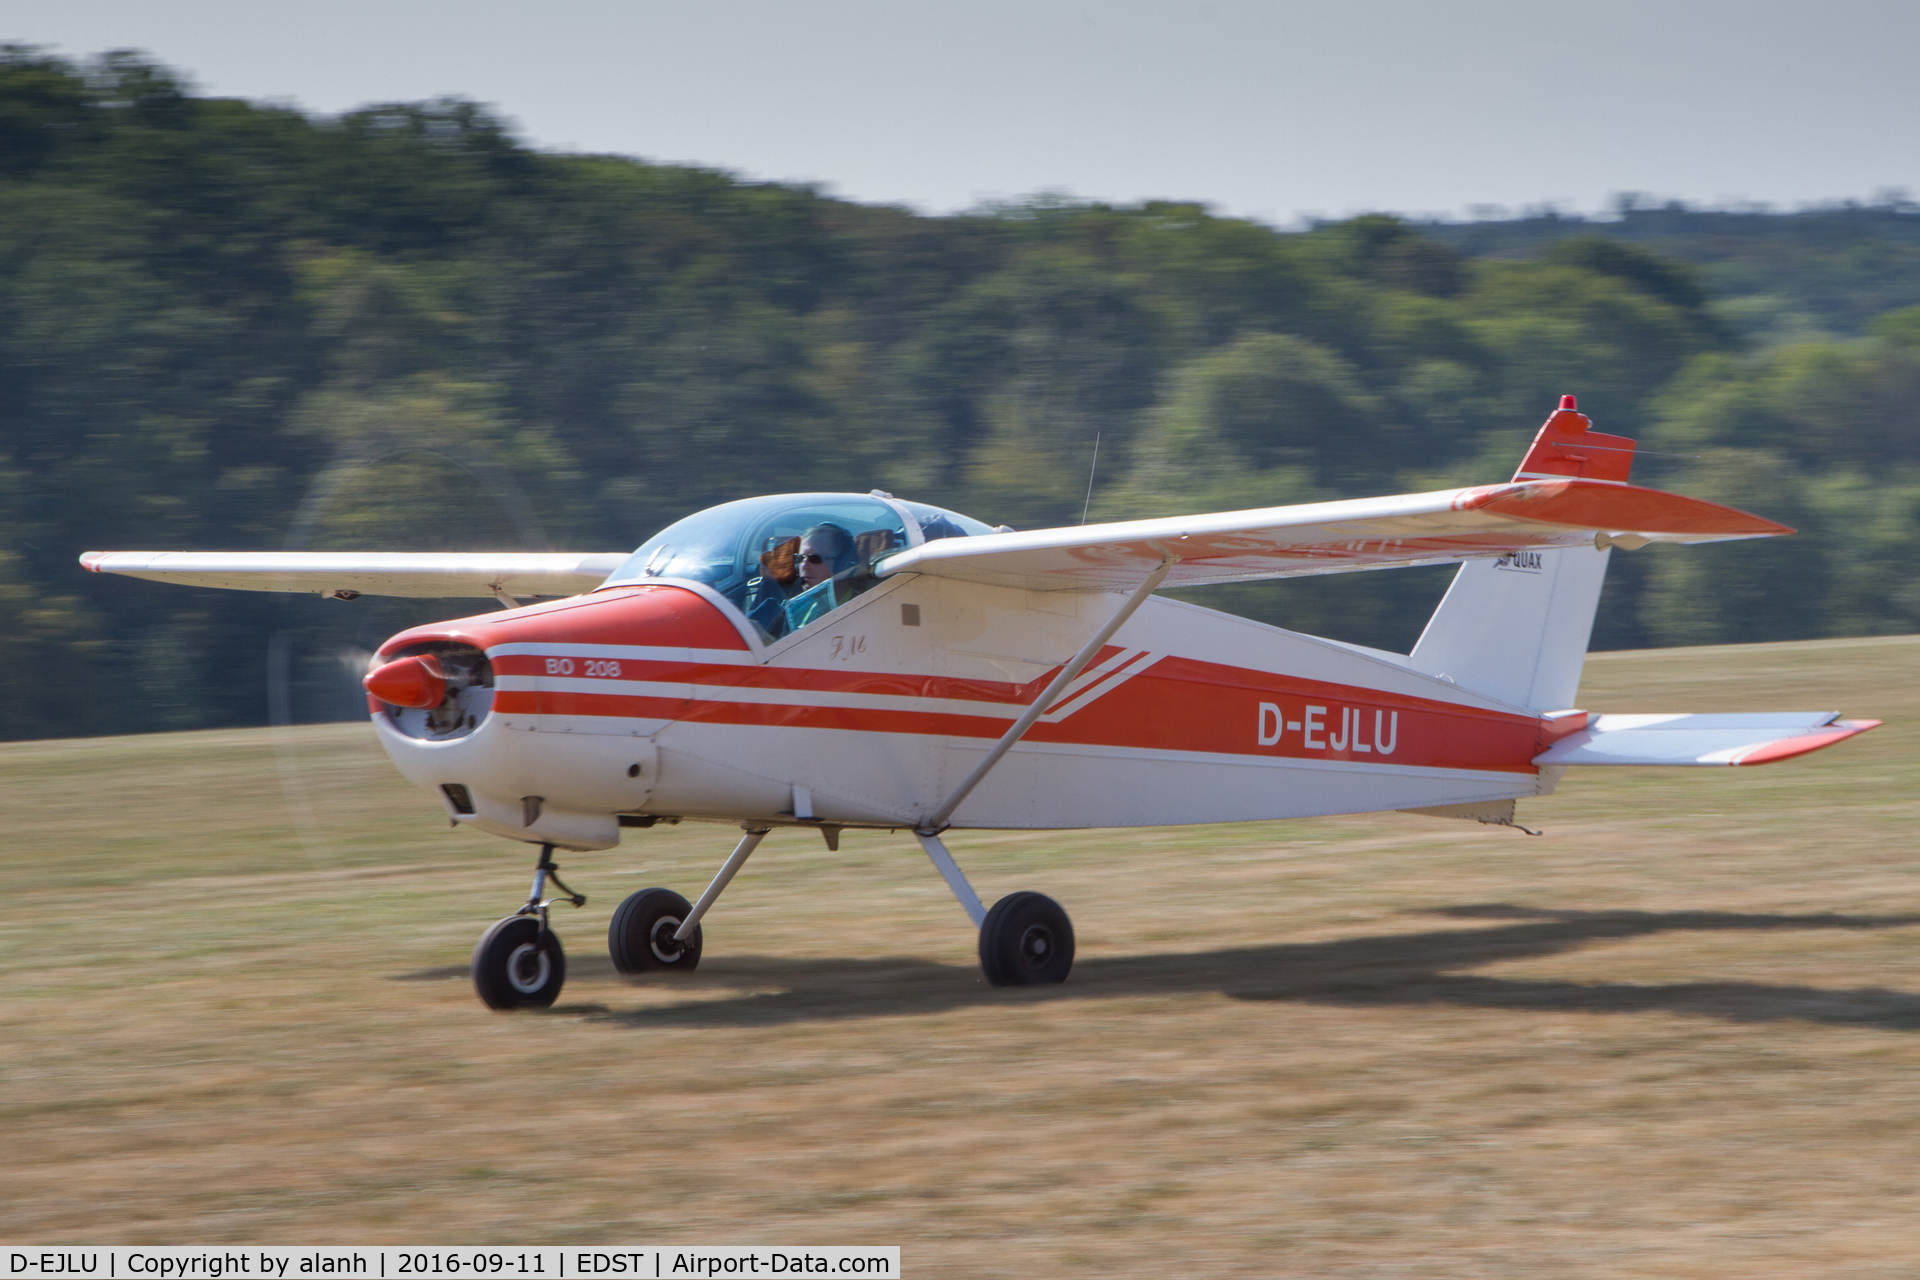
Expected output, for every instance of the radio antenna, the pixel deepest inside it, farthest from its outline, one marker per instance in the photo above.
(1088, 504)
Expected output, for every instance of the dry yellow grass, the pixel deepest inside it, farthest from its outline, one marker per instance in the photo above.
(1674, 1037)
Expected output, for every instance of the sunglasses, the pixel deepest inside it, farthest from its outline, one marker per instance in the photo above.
(811, 557)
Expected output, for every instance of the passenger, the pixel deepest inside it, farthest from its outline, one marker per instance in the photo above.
(764, 596)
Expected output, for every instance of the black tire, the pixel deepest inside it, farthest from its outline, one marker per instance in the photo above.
(519, 965)
(1026, 940)
(640, 935)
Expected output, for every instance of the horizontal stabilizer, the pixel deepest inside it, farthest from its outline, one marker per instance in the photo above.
(1755, 738)
(1334, 537)
(345, 574)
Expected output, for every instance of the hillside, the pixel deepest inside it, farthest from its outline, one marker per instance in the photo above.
(227, 325)
(1810, 275)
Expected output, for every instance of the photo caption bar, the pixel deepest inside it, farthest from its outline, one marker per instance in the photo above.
(410, 1262)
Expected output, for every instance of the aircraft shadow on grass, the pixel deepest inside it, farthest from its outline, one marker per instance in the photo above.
(1382, 970)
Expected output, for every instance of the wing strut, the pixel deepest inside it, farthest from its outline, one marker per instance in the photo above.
(938, 822)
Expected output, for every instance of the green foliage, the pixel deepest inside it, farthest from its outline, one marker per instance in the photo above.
(1383, 249)
(1814, 274)
(1817, 435)
(1651, 273)
(1261, 421)
(225, 325)
(1899, 328)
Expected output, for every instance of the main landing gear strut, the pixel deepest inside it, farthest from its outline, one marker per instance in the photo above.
(518, 963)
(1025, 940)
(655, 929)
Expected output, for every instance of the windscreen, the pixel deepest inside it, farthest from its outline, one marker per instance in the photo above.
(754, 552)
(937, 522)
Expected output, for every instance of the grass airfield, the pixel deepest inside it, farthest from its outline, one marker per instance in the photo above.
(1678, 1035)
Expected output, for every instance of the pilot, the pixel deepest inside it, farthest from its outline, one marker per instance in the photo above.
(825, 549)
(826, 552)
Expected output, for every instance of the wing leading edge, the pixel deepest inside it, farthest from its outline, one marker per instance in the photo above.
(1335, 537)
(345, 574)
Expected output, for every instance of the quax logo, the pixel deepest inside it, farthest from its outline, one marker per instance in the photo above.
(1521, 562)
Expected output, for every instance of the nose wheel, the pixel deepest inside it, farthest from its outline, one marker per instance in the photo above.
(518, 963)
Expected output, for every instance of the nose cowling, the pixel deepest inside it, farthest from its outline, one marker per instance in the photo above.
(409, 682)
(509, 673)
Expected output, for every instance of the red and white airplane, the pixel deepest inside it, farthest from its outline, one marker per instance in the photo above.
(837, 660)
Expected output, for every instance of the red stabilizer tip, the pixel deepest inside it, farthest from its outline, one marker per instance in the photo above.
(1566, 402)
(1788, 748)
(410, 682)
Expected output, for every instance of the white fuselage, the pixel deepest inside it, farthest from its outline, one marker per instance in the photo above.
(658, 700)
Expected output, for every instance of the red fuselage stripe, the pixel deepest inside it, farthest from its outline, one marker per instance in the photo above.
(1150, 703)
(1176, 704)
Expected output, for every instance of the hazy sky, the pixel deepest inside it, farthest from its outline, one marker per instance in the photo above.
(1270, 110)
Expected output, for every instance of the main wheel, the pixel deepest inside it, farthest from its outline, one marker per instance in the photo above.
(518, 965)
(1026, 940)
(640, 935)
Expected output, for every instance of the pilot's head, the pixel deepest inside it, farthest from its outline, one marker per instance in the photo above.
(825, 550)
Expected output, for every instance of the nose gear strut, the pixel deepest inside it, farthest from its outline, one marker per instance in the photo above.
(518, 963)
(547, 869)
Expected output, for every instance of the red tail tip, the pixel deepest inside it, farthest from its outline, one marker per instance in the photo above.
(1566, 402)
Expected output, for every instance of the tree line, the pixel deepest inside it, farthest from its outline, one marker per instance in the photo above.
(229, 325)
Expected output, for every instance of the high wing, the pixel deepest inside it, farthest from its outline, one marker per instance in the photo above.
(1335, 537)
(1743, 738)
(346, 574)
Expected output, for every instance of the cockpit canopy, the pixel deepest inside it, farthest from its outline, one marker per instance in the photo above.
(750, 551)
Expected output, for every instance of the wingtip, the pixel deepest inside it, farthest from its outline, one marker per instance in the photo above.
(1618, 508)
(1801, 744)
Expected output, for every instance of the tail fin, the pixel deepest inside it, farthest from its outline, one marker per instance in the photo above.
(1516, 628)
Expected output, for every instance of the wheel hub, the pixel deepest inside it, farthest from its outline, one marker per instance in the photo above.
(528, 968)
(666, 948)
(1036, 946)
